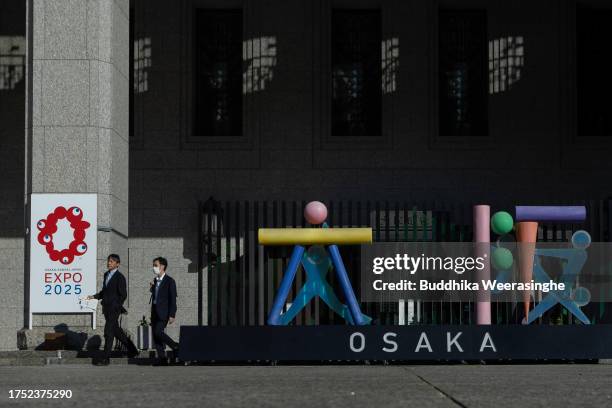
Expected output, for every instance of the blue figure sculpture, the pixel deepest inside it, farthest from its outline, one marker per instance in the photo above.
(575, 259)
(317, 261)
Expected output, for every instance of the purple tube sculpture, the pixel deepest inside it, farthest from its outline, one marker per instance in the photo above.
(565, 213)
(482, 238)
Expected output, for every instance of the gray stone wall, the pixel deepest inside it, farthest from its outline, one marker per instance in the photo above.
(77, 128)
(11, 292)
(77, 124)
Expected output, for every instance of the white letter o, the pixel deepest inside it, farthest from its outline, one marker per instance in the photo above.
(352, 342)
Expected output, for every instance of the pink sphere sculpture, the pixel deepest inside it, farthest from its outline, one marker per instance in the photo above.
(315, 212)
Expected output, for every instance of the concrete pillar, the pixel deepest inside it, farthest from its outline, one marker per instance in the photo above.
(77, 116)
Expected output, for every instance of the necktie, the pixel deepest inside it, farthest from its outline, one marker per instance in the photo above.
(157, 283)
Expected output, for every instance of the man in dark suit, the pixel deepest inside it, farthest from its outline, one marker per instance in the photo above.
(163, 309)
(113, 294)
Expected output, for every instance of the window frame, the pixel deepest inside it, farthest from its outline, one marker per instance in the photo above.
(458, 142)
(322, 87)
(484, 71)
(575, 136)
(189, 141)
(197, 74)
(378, 86)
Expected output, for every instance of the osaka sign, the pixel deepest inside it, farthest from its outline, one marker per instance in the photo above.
(63, 247)
(403, 343)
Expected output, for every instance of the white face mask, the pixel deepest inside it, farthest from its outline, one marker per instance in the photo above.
(156, 270)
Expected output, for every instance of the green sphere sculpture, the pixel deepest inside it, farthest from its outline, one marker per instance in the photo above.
(502, 259)
(501, 223)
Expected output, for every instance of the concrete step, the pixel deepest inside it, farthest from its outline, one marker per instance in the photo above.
(43, 357)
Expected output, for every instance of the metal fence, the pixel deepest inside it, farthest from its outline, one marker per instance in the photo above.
(240, 277)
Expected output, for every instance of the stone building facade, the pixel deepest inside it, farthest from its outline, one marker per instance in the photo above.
(106, 103)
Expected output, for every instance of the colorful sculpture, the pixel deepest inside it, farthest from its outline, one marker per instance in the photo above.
(501, 223)
(316, 261)
(526, 236)
(315, 212)
(502, 258)
(565, 213)
(482, 238)
(526, 231)
(571, 298)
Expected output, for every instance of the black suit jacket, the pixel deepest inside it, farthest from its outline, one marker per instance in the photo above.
(165, 304)
(114, 294)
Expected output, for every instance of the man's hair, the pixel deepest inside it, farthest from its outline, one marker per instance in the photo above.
(162, 261)
(114, 257)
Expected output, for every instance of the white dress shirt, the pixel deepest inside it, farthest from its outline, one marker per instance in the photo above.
(157, 284)
(109, 276)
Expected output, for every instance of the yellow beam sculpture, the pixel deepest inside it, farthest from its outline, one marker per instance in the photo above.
(314, 236)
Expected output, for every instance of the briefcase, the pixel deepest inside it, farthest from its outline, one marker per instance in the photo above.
(145, 337)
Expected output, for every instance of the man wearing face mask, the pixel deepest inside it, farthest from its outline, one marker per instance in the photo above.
(163, 309)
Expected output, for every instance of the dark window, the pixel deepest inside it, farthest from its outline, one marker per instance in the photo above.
(218, 73)
(463, 73)
(593, 61)
(356, 73)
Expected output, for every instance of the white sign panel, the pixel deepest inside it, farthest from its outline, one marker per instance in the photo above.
(63, 248)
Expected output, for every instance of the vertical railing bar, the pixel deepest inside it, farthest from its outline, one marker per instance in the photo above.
(275, 262)
(202, 248)
(240, 315)
(283, 257)
(268, 278)
(224, 260)
(331, 276)
(249, 252)
(257, 276)
(218, 266)
(298, 278)
(211, 286)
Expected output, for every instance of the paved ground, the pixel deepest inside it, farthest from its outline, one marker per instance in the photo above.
(316, 386)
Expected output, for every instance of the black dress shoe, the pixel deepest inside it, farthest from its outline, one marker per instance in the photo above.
(102, 362)
(161, 362)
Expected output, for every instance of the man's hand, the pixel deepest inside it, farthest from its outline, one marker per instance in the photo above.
(88, 297)
(171, 320)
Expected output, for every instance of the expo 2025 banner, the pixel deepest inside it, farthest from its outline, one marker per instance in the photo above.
(63, 247)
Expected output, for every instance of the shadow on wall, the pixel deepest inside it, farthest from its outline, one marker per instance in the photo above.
(142, 64)
(390, 64)
(259, 60)
(506, 62)
(65, 339)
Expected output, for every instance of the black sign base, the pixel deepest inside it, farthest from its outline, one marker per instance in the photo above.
(303, 343)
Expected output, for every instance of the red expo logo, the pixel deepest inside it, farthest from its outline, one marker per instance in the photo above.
(48, 227)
